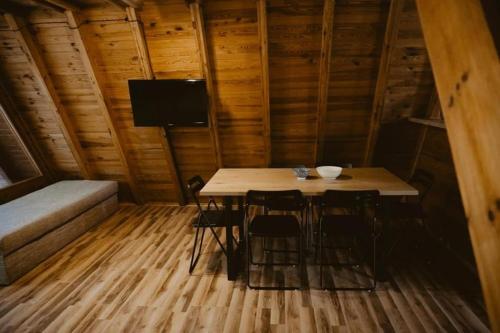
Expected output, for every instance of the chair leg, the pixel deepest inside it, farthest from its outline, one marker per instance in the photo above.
(320, 253)
(194, 261)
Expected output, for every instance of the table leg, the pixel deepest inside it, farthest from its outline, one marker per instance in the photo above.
(231, 269)
(241, 215)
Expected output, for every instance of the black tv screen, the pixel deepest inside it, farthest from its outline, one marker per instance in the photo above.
(169, 102)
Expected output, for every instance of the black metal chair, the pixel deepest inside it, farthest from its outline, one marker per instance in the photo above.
(406, 210)
(355, 214)
(207, 218)
(275, 226)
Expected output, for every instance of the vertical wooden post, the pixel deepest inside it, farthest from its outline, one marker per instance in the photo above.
(264, 61)
(466, 69)
(88, 60)
(142, 49)
(39, 68)
(324, 78)
(206, 68)
(391, 34)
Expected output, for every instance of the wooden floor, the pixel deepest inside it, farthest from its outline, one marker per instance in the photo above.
(131, 274)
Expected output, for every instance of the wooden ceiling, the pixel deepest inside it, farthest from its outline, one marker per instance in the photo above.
(291, 82)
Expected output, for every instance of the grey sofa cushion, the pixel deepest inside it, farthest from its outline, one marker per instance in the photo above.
(31, 216)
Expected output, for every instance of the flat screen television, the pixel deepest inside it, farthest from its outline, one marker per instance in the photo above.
(169, 102)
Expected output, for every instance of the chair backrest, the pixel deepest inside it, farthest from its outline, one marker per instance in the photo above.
(290, 200)
(350, 199)
(422, 181)
(194, 186)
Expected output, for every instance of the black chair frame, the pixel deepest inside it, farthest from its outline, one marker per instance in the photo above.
(284, 201)
(203, 220)
(355, 203)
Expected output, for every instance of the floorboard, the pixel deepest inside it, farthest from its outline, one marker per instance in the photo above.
(130, 274)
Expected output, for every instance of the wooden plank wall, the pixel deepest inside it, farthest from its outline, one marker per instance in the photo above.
(14, 158)
(34, 106)
(409, 89)
(234, 50)
(294, 32)
(174, 55)
(358, 33)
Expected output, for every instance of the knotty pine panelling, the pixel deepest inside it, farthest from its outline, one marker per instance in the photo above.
(174, 54)
(116, 54)
(358, 34)
(294, 34)
(35, 107)
(410, 80)
(74, 89)
(14, 158)
(234, 50)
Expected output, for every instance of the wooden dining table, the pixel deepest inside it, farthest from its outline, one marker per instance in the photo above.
(235, 183)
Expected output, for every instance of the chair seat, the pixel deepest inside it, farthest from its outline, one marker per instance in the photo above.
(216, 219)
(333, 224)
(275, 226)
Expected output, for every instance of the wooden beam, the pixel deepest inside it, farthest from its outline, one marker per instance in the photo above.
(391, 34)
(428, 122)
(264, 61)
(467, 73)
(88, 59)
(61, 4)
(433, 102)
(124, 4)
(145, 60)
(39, 69)
(324, 78)
(206, 68)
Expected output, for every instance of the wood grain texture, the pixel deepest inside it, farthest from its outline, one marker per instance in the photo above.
(142, 49)
(358, 33)
(467, 74)
(37, 65)
(264, 62)
(234, 49)
(391, 34)
(16, 160)
(33, 107)
(198, 21)
(89, 56)
(172, 45)
(131, 274)
(237, 182)
(324, 77)
(295, 31)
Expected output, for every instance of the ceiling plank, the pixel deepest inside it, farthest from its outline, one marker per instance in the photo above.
(467, 74)
(324, 78)
(96, 81)
(39, 68)
(206, 68)
(145, 60)
(264, 60)
(391, 34)
(25, 133)
(7, 6)
(62, 4)
(124, 4)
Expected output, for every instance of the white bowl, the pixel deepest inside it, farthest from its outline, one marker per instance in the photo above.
(329, 172)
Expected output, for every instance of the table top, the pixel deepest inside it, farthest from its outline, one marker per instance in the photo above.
(237, 182)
